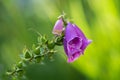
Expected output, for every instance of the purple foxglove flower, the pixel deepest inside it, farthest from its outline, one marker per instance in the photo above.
(75, 42)
(58, 28)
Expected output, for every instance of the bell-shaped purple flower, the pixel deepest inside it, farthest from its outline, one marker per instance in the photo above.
(58, 28)
(75, 42)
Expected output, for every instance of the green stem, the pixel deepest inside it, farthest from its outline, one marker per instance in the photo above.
(45, 47)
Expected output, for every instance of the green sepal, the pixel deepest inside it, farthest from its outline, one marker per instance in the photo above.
(44, 39)
(51, 44)
(59, 40)
(27, 54)
(37, 50)
(39, 58)
(20, 64)
(42, 50)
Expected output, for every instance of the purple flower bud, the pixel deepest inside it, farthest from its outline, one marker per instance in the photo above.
(58, 28)
(75, 42)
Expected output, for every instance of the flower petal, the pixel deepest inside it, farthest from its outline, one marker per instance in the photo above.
(86, 42)
(84, 45)
(74, 57)
(79, 32)
(65, 46)
(70, 32)
(75, 42)
(74, 46)
(58, 28)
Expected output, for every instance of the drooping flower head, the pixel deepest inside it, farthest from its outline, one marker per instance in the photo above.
(58, 27)
(75, 42)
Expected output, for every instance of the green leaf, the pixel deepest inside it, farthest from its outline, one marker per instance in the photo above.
(8, 73)
(33, 47)
(39, 40)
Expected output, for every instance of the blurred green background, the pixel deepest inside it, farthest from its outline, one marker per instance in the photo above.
(99, 20)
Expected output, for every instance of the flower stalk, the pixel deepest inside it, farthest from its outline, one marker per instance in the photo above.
(44, 49)
(66, 34)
